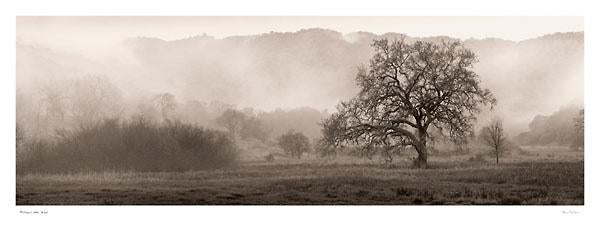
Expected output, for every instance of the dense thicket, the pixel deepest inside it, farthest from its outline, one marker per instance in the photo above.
(135, 145)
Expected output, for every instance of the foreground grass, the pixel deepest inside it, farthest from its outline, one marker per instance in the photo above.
(527, 182)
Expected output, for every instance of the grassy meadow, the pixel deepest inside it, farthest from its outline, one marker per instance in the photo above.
(537, 176)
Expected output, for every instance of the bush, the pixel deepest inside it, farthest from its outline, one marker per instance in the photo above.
(479, 157)
(135, 145)
(294, 143)
(270, 158)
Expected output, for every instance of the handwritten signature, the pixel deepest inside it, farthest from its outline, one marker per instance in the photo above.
(43, 212)
(570, 212)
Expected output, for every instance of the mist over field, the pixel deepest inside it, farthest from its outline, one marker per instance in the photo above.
(131, 110)
(308, 68)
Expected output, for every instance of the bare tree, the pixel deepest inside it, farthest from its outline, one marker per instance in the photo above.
(493, 136)
(52, 101)
(95, 98)
(409, 87)
(233, 120)
(51, 109)
(166, 104)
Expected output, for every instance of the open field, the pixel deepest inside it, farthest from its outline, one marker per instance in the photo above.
(540, 177)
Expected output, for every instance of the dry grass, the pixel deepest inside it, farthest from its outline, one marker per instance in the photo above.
(529, 179)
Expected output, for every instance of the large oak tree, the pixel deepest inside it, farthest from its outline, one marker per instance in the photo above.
(408, 88)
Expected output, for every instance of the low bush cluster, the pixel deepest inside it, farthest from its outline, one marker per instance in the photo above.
(135, 145)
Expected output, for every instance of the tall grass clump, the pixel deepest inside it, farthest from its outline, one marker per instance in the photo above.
(134, 145)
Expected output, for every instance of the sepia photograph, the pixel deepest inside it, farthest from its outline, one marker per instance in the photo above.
(299, 118)
(198, 110)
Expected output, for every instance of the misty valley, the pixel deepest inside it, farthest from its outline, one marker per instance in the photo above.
(312, 117)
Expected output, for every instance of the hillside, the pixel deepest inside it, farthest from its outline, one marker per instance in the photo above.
(316, 68)
(528, 77)
(557, 129)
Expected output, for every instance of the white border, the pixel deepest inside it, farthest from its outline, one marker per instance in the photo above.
(289, 220)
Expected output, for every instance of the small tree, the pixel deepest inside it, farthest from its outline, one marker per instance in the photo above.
(294, 143)
(244, 125)
(233, 120)
(165, 102)
(578, 141)
(52, 102)
(493, 136)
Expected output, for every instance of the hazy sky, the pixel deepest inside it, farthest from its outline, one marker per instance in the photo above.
(169, 28)
(95, 36)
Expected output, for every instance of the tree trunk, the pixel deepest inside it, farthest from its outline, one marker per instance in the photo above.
(422, 158)
(422, 149)
(497, 157)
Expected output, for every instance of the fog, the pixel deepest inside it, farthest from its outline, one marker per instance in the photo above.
(270, 63)
(299, 110)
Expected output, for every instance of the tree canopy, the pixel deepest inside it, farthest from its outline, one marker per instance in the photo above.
(407, 88)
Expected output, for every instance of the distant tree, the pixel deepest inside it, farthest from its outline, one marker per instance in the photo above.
(95, 98)
(407, 89)
(165, 102)
(244, 125)
(232, 120)
(493, 136)
(578, 141)
(579, 121)
(52, 103)
(219, 107)
(20, 138)
(50, 109)
(294, 143)
(253, 127)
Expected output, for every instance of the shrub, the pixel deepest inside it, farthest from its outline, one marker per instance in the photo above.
(270, 158)
(479, 157)
(135, 145)
(294, 143)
